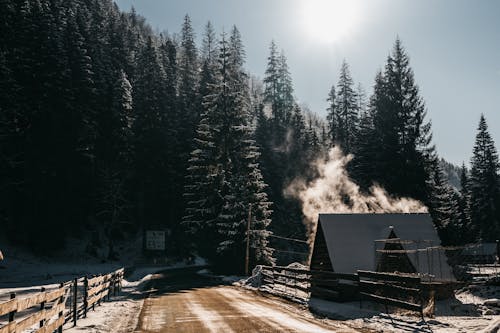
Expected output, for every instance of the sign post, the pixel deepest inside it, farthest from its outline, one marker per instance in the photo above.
(155, 240)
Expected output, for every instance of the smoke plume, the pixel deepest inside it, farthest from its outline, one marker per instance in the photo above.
(334, 192)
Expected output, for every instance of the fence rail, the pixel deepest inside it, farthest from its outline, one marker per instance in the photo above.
(390, 289)
(52, 309)
(398, 290)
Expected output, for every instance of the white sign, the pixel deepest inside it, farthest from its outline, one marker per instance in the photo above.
(155, 240)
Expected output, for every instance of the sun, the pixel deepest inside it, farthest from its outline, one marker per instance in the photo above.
(329, 21)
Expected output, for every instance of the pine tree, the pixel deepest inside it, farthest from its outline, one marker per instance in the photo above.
(465, 231)
(271, 81)
(403, 151)
(484, 185)
(188, 75)
(443, 205)
(361, 98)
(346, 105)
(364, 166)
(285, 89)
(209, 61)
(332, 116)
(224, 167)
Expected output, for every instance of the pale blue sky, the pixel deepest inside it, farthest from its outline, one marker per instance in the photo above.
(454, 46)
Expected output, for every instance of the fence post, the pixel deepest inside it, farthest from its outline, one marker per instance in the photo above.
(120, 282)
(93, 304)
(12, 313)
(114, 285)
(75, 297)
(61, 313)
(110, 286)
(85, 296)
(42, 307)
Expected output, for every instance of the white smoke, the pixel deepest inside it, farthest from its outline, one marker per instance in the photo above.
(334, 192)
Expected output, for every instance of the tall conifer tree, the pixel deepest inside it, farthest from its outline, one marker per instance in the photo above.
(484, 185)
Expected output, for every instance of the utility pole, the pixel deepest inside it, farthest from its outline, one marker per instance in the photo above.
(247, 256)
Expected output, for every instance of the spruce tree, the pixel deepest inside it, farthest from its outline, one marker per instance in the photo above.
(443, 205)
(403, 159)
(465, 230)
(271, 81)
(364, 167)
(484, 185)
(346, 105)
(224, 167)
(332, 116)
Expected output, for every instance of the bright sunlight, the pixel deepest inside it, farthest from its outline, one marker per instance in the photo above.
(329, 21)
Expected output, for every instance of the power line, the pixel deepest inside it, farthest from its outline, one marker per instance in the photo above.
(290, 239)
(294, 252)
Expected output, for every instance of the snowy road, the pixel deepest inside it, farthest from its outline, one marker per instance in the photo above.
(176, 307)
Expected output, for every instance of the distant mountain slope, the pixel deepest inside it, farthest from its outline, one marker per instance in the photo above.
(452, 173)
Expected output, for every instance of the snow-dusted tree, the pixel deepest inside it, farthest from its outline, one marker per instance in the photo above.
(484, 185)
(363, 168)
(224, 178)
(208, 59)
(285, 91)
(347, 111)
(361, 98)
(278, 89)
(188, 72)
(189, 106)
(271, 80)
(201, 190)
(465, 230)
(331, 116)
(443, 204)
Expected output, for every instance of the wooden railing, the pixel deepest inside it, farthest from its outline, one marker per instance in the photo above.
(332, 285)
(52, 309)
(323, 284)
(390, 289)
(49, 315)
(287, 281)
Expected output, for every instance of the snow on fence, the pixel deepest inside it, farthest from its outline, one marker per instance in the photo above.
(50, 310)
(291, 283)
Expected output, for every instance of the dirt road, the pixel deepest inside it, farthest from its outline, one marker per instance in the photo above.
(185, 302)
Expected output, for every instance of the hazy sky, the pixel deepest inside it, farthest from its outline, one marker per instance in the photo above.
(454, 48)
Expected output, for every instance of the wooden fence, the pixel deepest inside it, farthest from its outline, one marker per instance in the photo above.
(390, 289)
(292, 283)
(50, 310)
(334, 286)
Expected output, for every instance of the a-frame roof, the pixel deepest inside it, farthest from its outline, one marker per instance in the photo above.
(351, 240)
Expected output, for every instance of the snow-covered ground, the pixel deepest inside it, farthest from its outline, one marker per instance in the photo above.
(475, 309)
(122, 312)
(21, 268)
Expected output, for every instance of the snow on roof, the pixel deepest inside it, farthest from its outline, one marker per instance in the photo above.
(352, 241)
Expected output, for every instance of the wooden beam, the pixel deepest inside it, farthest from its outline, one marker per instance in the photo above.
(389, 277)
(8, 306)
(393, 302)
(9, 328)
(373, 286)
